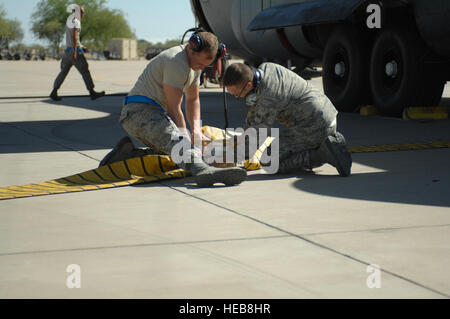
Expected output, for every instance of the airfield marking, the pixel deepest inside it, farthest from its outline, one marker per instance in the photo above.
(154, 168)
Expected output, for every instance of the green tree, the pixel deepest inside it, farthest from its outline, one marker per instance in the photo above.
(51, 31)
(15, 31)
(104, 25)
(10, 30)
(145, 47)
(98, 27)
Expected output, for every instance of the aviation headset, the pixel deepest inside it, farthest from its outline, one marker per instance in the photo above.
(196, 44)
(256, 77)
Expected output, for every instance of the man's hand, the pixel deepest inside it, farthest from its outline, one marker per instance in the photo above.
(85, 50)
(74, 55)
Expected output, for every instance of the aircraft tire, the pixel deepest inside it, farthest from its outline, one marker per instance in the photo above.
(397, 72)
(345, 69)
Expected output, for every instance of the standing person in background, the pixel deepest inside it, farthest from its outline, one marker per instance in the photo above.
(74, 55)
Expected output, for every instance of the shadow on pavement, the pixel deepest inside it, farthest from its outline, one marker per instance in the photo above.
(419, 179)
(379, 187)
(102, 132)
(397, 182)
(410, 177)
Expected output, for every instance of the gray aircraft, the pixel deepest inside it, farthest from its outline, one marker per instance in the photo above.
(389, 53)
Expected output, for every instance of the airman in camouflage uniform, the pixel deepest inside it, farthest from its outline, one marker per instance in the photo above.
(152, 111)
(274, 93)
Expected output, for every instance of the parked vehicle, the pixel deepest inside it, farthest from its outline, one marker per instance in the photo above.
(402, 60)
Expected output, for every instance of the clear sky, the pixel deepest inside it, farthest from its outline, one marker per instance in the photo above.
(152, 20)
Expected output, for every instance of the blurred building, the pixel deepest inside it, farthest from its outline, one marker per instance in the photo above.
(123, 49)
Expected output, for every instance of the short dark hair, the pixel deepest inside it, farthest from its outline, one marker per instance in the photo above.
(210, 43)
(237, 74)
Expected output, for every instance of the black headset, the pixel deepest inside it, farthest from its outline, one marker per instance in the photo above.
(196, 44)
(256, 77)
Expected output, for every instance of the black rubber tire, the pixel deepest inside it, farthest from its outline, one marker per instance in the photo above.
(350, 90)
(413, 84)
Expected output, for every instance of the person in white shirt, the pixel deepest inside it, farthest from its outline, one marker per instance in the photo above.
(74, 55)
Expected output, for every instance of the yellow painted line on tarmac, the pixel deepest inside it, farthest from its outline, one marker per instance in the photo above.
(412, 113)
(398, 147)
(153, 168)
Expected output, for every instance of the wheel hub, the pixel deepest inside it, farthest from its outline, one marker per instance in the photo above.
(391, 69)
(339, 69)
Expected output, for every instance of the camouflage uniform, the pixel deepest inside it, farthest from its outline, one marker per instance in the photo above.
(154, 128)
(150, 123)
(309, 116)
(144, 116)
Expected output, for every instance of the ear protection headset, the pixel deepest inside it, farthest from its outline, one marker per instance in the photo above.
(197, 45)
(256, 77)
(196, 42)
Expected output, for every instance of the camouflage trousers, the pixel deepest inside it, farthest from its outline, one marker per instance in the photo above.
(156, 130)
(81, 65)
(296, 144)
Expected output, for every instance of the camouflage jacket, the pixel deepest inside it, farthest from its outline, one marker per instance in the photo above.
(284, 96)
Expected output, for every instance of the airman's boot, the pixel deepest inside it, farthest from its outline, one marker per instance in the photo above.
(123, 150)
(333, 151)
(95, 95)
(206, 175)
(54, 95)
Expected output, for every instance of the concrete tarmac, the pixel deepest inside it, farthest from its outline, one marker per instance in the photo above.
(305, 235)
